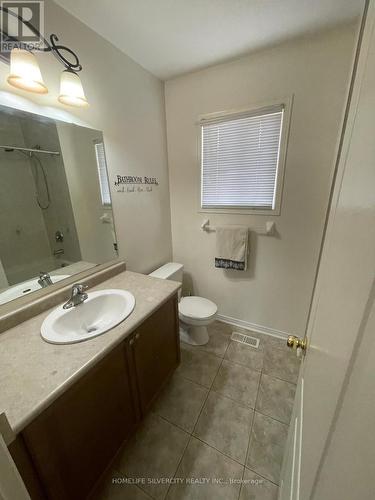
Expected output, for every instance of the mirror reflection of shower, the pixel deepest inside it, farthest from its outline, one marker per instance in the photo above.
(53, 217)
(38, 170)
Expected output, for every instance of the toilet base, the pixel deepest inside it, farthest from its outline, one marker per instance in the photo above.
(194, 335)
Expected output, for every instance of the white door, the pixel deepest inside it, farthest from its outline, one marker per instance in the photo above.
(343, 287)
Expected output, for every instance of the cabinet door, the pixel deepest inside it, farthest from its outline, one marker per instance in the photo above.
(155, 350)
(73, 441)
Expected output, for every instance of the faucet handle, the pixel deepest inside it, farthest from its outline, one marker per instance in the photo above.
(44, 279)
(80, 287)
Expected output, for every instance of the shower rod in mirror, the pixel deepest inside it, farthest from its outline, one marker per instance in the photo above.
(30, 150)
(24, 68)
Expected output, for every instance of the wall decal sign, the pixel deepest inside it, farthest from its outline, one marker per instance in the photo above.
(135, 183)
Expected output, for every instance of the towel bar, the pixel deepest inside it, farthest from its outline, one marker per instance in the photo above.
(270, 228)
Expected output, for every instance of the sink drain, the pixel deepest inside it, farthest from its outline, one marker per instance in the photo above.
(90, 329)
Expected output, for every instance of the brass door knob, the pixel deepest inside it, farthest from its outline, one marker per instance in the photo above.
(296, 343)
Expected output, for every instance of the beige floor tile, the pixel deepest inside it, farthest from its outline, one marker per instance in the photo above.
(181, 402)
(153, 455)
(281, 363)
(245, 355)
(220, 475)
(198, 366)
(237, 382)
(255, 487)
(225, 425)
(275, 398)
(266, 447)
(115, 487)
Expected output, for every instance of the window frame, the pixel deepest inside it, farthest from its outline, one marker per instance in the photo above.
(107, 206)
(255, 108)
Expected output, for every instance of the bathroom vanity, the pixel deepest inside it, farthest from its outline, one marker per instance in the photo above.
(71, 407)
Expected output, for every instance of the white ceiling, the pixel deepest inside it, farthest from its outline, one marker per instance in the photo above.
(171, 37)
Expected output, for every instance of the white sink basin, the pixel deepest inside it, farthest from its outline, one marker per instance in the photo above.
(102, 311)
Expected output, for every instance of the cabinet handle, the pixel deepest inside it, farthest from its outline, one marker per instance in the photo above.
(131, 341)
(136, 336)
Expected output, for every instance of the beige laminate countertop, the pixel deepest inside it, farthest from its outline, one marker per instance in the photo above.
(34, 373)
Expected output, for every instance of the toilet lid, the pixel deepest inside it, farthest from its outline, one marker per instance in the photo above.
(197, 307)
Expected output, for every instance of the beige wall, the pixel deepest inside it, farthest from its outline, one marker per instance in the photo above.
(275, 292)
(127, 103)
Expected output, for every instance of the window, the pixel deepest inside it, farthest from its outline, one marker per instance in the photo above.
(240, 156)
(102, 173)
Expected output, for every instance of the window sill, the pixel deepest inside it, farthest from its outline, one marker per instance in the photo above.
(240, 211)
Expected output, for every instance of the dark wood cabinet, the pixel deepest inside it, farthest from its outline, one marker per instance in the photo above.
(74, 440)
(155, 353)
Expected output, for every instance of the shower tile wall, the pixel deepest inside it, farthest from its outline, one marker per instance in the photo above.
(60, 214)
(27, 235)
(23, 236)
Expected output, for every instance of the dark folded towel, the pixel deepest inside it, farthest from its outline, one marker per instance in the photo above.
(229, 264)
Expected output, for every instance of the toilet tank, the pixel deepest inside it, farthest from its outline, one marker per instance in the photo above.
(171, 271)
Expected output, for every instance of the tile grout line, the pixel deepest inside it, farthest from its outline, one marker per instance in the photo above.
(200, 412)
(252, 420)
(272, 418)
(210, 388)
(239, 403)
(209, 391)
(251, 430)
(260, 475)
(278, 378)
(193, 381)
(252, 425)
(242, 365)
(255, 410)
(219, 451)
(173, 423)
(145, 492)
(260, 381)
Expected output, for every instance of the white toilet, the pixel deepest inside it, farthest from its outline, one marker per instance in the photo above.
(195, 313)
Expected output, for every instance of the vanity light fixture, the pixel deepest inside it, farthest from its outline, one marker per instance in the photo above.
(25, 73)
(71, 90)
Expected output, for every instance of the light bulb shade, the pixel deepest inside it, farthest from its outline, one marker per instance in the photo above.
(71, 90)
(25, 72)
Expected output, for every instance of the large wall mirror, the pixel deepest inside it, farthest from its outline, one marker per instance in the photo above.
(55, 204)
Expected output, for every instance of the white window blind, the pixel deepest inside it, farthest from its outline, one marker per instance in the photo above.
(102, 173)
(239, 159)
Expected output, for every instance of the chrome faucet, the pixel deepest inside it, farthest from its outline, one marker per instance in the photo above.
(78, 296)
(44, 279)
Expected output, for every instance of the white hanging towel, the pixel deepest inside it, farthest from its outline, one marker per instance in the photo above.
(232, 247)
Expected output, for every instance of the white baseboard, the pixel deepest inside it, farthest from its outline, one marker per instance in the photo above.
(252, 326)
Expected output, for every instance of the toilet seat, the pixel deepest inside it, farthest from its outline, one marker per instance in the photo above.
(196, 310)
